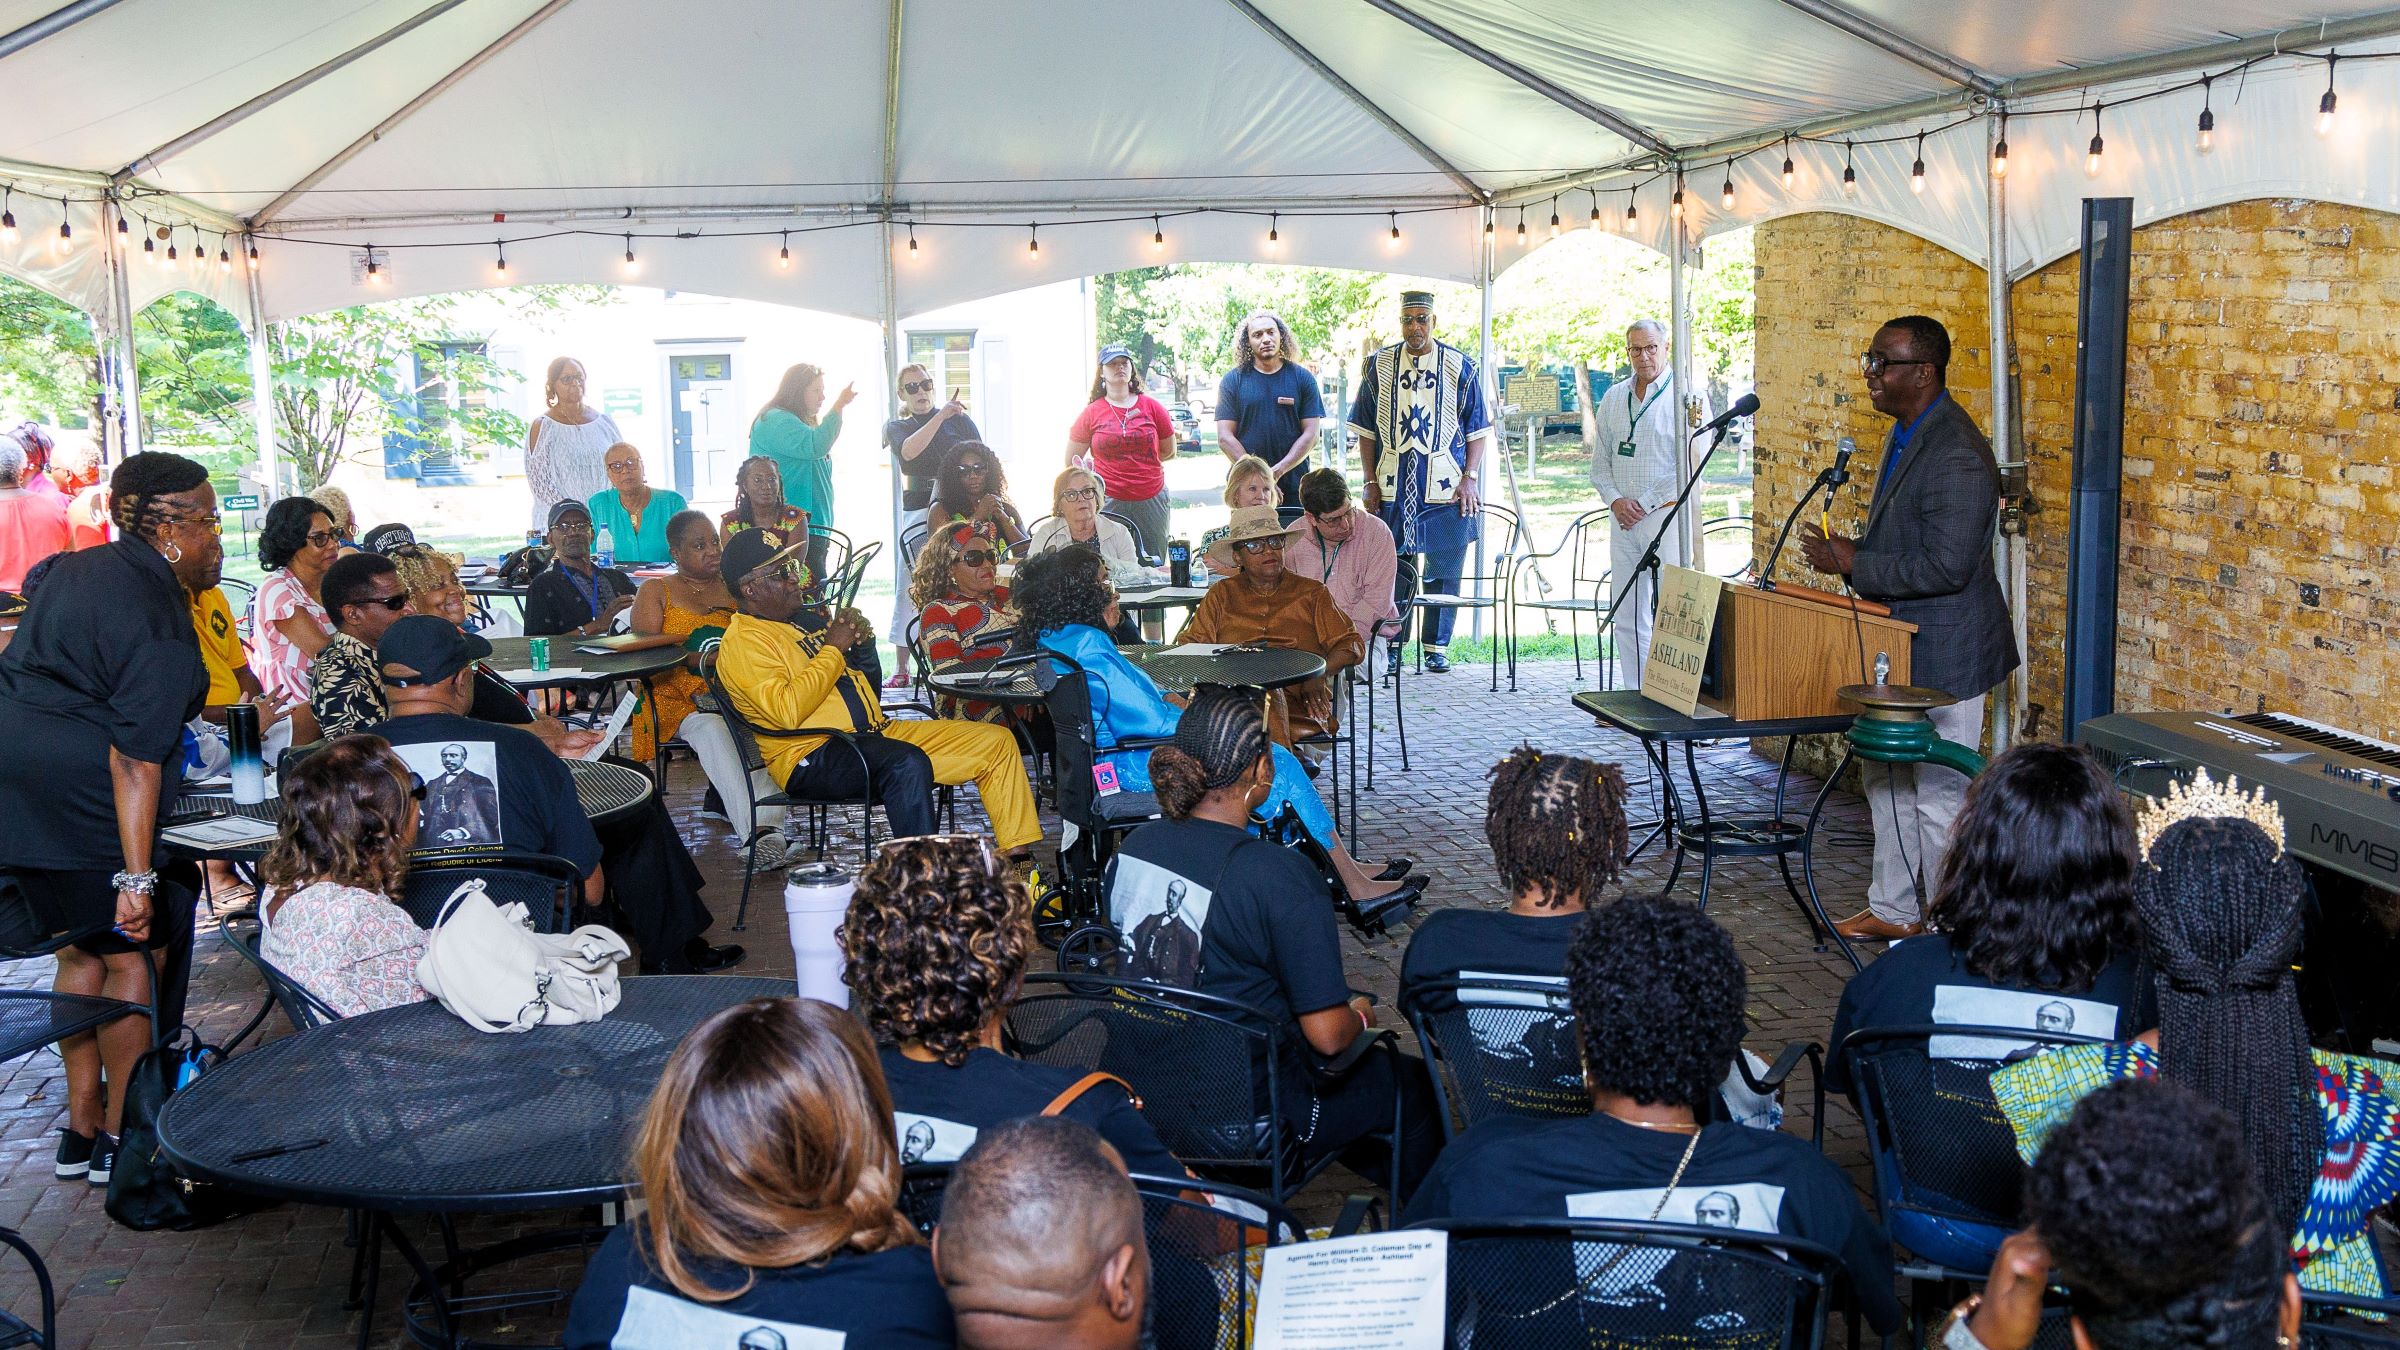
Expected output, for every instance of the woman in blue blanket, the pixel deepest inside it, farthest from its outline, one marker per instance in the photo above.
(1065, 602)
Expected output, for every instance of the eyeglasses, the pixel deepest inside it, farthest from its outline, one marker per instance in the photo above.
(1875, 363)
(212, 522)
(980, 557)
(1081, 494)
(916, 386)
(1254, 546)
(1334, 521)
(394, 603)
(622, 465)
(564, 527)
(1647, 349)
(323, 538)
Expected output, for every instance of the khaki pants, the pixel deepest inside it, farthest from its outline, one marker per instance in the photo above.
(1914, 806)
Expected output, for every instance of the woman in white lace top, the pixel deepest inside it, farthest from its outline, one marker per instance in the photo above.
(567, 449)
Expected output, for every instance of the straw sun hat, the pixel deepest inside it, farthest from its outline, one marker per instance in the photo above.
(1249, 522)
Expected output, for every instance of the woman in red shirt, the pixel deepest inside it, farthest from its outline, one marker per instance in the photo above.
(1124, 435)
(962, 608)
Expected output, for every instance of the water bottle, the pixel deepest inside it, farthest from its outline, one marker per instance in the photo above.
(249, 767)
(606, 554)
(1179, 562)
(815, 897)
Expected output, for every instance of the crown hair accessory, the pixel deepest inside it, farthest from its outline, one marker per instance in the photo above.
(2203, 798)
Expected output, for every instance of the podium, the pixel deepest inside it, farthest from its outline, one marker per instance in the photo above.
(1783, 653)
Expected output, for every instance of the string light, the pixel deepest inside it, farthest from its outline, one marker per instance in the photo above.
(224, 259)
(632, 264)
(1849, 169)
(1788, 176)
(124, 228)
(1554, 217)
(1395, 229)
(1274, 235)
(66, 230)
(1675, 207)
(1158, 234)
(1595, 210)
(913, 255)
(1520, 227)
(252, 241)
(2000, 150)
(783, 253)
(150, 243)
(2325, 104)
(1033, 243)
(8, 218)
(374, 267)
(171, 261)
(500, 268)
(1727, 198)
(2091, 156)
(2208, 117)
(1630, 214)
(1916, 171)
(1488, 217)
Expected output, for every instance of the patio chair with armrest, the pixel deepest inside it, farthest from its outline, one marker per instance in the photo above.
(546, 885)
(1493, 588)
(1584, 547)
(301, 1008)
(745, 740)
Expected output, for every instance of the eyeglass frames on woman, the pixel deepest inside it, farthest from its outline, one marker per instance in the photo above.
(1081, 494)
(323, 539)
(1273, 545)
(1875, 363)
(916, 386)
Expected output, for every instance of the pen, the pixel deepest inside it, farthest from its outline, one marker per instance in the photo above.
(260, 1155)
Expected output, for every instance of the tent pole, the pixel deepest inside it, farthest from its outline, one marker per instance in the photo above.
(1498, 442)
(1907, 49)
(120, 374)
(891, 295)
(2008, 549)
(1679, 300)
(262, 390)
(56, 21)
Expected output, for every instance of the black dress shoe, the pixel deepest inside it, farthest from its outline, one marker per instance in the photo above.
(1375, 915)
(1396, 869)
(698, 958)
(1437, 662)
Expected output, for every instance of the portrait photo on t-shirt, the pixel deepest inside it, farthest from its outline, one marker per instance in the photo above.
(1523, 1028)
(663, 1320)
(1635, 1276)
(1969, 1005)
(462, 793)
(1161, 915)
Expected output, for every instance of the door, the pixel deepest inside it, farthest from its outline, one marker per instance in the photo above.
(710, 438)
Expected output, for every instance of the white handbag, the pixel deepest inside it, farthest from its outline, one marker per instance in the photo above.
(486, 964)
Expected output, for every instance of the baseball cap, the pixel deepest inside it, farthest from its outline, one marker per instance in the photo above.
(427, 649)
(560, 510)
(386, 539)
(749, 551)
(1114, 350)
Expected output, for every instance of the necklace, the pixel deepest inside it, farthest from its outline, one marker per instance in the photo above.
(1677, 1127)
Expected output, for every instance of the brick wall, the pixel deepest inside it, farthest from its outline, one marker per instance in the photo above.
(2261, 520)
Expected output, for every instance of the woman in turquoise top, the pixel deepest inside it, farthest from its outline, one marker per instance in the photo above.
(634, 513)
(1064, 599)
(789, 432)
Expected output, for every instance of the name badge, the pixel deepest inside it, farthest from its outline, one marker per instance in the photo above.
(1625, 448)
(1286, 401)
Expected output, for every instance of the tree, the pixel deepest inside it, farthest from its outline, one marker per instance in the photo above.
(194, 365)
(49, 368)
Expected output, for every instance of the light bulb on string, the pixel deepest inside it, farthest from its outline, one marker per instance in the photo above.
(2208, 117)
(1158, 235)
(1675, 206)
(374, 267)
(1520, 227)
(1033, 241)
(783, 251)
(124, 228)
(1726, 198)
(1849, 169)
(632, 264)
(2325, 105)
(1274, 233)
(1554, 217)
(65, 240)
(172, 260)
(1789, 177)
(913, 254)
(2000, 150)
(149, 244)
(1595, 210)
(252, 241)
(1916, 171)
(2091, 155)
(224, 259)
(500, 266)
(1395, 229)
(8, 217)
(1631, 212)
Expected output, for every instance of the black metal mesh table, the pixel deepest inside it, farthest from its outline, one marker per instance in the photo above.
(1176, 673)
(581, 668)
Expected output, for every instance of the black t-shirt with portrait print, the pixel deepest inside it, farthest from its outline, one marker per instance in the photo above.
(1265, 929)
(490, 786)
(1924, 980)
(1598, 1167)
(1455, 944)
(889, 1300)
(938, 1111)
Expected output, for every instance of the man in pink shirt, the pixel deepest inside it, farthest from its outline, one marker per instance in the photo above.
(1349, 550)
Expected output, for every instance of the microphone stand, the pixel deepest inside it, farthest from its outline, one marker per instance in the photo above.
(1649, 561)
(1824, 480)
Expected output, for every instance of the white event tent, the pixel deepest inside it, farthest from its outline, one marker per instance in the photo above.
(692, 144)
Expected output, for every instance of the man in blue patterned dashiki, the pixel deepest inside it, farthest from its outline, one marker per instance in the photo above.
(1422, 426)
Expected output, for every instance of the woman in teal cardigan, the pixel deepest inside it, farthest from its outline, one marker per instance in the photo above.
(789, 432)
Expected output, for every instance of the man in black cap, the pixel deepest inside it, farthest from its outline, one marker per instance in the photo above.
(782, 673)
(1422, 430)
(575, 595)
(429, 679)
(387, 539)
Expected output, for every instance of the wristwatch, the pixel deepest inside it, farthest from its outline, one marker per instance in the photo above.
(1954, 1333)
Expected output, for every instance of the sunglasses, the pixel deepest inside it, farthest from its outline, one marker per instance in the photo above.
(322, 538)
(394, 603)
(916, 386)
(1875, 363)
(1274, 545)
(979, 557)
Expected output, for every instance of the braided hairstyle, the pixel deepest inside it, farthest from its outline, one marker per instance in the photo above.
(1221, 736)
(2220, 916)
(1557, 822)
(134, 490)
(2145, 1200)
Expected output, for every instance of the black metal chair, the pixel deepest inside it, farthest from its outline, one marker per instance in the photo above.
(2335, 1321)
(1535, 1284)
(1584, 546)
(1498, 1046)
(1205, 1068)
(838, 547)
(745, 739)
(1492, 588)
(238, 596)
(841, 584)
(546, 885)
(1730, 527)
(1948, 1180)
(1098, 820)
(912, 540)
(301, 1007)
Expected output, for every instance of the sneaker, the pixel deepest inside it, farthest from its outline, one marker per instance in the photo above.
(74, 1154)
(104, 1158)
(773, 849)
(1437, 662)
(712, 807)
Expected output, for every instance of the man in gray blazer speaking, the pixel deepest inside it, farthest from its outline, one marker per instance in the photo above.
(1927, 552)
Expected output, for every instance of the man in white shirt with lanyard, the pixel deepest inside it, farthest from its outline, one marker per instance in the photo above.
(1638, 465)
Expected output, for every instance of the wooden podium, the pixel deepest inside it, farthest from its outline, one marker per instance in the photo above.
(1783, 653)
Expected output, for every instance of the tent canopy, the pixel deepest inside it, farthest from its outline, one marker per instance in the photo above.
(706, 132)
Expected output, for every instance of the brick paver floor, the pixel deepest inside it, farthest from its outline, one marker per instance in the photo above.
(279, 1277)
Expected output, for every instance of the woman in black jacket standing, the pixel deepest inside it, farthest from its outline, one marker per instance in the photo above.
(94, 694)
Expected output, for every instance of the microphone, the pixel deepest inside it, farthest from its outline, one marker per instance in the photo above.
(1842, 452)
(1742, 407)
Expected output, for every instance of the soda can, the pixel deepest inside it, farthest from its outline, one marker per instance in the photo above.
(540, 649)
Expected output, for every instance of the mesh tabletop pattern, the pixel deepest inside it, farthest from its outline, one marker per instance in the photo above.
(606, 790)
(412, 1109)
(31, 1020)
(516, 653)
(270, 810)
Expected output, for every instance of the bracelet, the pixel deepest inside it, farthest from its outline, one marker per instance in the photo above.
(140, 883)
(1953, 1331)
